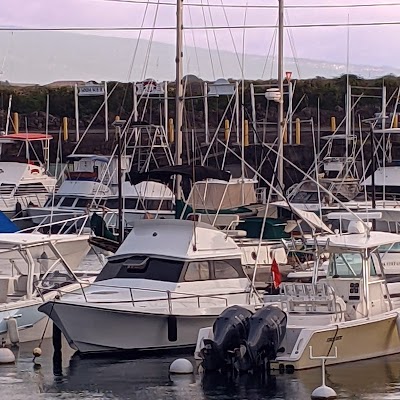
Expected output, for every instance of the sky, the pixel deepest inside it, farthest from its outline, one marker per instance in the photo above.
(368, 45)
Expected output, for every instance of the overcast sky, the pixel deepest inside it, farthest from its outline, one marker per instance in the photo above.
(373, 45)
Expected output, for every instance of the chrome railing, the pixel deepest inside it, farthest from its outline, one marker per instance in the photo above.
(170, 297)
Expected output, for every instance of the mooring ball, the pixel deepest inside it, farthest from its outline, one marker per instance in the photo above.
(37, 351)
(323, 393)
(181, 366)
(6, 356)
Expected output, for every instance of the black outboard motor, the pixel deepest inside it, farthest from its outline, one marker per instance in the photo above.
(230, 331)
(267, 328)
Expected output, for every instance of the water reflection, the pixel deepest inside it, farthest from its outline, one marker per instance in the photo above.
(148, 379)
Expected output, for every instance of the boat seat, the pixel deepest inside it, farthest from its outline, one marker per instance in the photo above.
(6, 287)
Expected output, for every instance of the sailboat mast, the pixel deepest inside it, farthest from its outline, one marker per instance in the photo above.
(280, 84)
(179, 94)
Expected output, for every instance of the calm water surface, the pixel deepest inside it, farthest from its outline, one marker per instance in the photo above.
(148, 379)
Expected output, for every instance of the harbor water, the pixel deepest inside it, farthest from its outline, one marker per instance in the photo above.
(147, 378)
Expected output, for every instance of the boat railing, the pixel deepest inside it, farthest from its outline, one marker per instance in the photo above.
(170, 297)
(75, 225)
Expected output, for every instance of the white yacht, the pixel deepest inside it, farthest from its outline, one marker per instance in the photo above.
(168, 279)
(24, 180)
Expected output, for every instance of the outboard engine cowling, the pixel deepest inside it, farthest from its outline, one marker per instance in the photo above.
(267, 328)
(230, 331)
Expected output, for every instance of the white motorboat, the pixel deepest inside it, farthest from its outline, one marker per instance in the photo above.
(24, 180)
(27, 258)
(90, 186)
(349, 312)
(146, 199)
(168, 279)
(85, 188)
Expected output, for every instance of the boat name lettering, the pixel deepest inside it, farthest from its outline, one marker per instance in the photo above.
(334, 339)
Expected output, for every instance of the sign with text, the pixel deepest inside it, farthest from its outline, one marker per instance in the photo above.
(91, 89)
(149, 87)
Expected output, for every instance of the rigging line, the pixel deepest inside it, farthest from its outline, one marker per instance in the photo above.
(194, 42)
(233, 40)
(150, 43)
(133, 60)
(215, 39)
(293, 46)
(273, 55)
(269, 50)
(201, 28)
(261, 6)
(208, 43)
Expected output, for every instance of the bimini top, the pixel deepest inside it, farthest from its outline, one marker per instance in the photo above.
(24, 137)
(356, 242)
(178, 239)
(164, 174)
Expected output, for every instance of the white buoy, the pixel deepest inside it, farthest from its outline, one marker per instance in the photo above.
(37, 352)
(12, 329)
(181, 366)
(323, 393)
(6, 356)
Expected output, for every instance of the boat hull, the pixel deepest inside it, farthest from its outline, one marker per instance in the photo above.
(356, 340)
(94, 329)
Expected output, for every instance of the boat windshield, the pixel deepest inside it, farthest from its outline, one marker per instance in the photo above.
(348, 265)
(390, 248)
(142, 267)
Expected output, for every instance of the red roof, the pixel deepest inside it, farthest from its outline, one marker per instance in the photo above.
(26, 137)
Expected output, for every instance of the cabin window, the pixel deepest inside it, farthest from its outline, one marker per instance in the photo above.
(142, 267)
(49, 201)
(166, 205)
(83, 203)
(67, 202)
(151, 205)
(224, 270)
(130, 204)
(197, 271)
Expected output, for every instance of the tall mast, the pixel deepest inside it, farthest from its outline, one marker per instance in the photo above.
(280, 84)
(179, 94)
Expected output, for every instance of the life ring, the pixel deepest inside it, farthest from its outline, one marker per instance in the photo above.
(34, 171)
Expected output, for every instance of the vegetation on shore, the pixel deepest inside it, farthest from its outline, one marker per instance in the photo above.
(30, 102)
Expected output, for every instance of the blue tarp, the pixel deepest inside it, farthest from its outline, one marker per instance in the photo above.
(6, 225)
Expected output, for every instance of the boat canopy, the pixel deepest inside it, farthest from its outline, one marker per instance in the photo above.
(194, 172)
(357, 242)
(216, 194)
(310, 218)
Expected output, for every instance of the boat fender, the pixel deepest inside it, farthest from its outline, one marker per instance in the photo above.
(6, 356)
(172, 328)
(12, 329)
